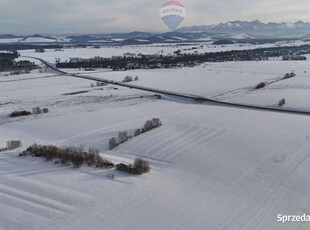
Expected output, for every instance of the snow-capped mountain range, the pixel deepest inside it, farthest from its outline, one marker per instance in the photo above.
(234, 30)
(255, 28)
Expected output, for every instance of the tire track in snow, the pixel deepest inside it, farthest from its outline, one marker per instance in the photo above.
(39, 201)
(277, 177)
(16, 218)
(235, 184)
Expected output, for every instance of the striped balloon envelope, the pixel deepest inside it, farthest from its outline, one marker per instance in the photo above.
(172, 13)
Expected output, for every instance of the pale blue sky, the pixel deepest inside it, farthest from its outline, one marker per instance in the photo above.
(104, 16)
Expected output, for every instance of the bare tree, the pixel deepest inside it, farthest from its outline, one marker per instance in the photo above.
(14, 144)
(281, 102)
(112, 143)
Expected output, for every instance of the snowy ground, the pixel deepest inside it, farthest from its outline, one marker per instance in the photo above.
(213, 167)
(232, 82)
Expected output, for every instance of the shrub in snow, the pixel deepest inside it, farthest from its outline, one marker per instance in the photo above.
(281, 102)
(69, 155)
(128, 79)
(98, 84)
(136, 78)
(16, 72)
(139, 167)
(124, 168)
(36, 110)
(39, 50)
(20, 113)
(289, 75)
(260, 85)
(23, 154)
(102, 163)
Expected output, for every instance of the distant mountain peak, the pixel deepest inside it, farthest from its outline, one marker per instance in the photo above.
(255, 27)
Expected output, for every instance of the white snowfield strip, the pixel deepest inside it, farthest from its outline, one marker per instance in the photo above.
(33, 40)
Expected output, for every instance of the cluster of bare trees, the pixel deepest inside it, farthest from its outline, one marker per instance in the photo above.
(75, 156)
(36, 110)
(123, 136)
(98, 84)
(129, 79)
(289, 75)
(13, 144)
(20, 71)
(39, 50)
(149, 125)
(7, 60)
(10, 145)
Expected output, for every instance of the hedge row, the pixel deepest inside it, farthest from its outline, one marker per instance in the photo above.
(69, 155)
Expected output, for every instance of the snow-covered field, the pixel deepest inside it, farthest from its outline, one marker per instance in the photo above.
(164, 49)
(212, 167)
(232, 82)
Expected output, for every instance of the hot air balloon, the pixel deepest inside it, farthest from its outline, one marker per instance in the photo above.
(172, 13)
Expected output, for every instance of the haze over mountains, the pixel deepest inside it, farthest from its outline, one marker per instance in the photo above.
(234, 30)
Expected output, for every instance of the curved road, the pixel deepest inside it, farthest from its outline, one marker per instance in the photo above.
(197, 98)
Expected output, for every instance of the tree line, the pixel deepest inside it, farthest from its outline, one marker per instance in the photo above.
(179, 59)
